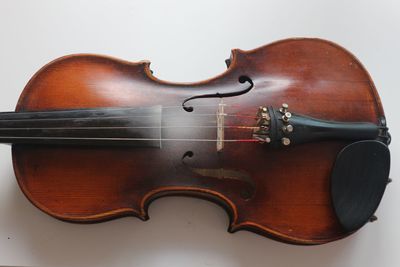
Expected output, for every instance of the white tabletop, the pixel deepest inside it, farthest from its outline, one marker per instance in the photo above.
(188, 41)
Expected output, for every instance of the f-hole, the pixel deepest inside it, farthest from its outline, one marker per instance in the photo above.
(242, 79)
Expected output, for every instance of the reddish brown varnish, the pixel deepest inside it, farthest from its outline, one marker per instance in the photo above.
(291, 201)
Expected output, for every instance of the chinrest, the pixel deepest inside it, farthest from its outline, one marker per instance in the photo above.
(358, 181)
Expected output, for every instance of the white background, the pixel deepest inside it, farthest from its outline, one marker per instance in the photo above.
(187, 41)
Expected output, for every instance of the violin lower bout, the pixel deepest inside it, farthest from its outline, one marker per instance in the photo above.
(89, 184)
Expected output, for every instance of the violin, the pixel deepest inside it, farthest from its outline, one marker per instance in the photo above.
(291, 140)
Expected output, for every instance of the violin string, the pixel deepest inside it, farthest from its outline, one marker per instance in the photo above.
(127, 116)
(128, 127)
(94, 109)
(127, 139)
(106, 108)
(11, 113)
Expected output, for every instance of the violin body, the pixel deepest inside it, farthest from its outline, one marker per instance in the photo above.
(281, 192)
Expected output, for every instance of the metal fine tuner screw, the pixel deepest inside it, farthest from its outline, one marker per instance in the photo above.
(287, 128)
(285, 141)
(284, 108)
(286, 117)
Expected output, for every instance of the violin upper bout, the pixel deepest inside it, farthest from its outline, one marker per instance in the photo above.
(85, 81)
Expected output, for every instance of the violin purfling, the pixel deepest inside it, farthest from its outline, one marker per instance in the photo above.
(291, 140)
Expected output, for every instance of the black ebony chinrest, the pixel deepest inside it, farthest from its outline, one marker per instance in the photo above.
(358, 181)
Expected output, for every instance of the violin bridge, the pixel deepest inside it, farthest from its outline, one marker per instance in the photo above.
(220, 126)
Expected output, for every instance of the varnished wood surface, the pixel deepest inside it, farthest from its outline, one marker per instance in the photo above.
(288, 197)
